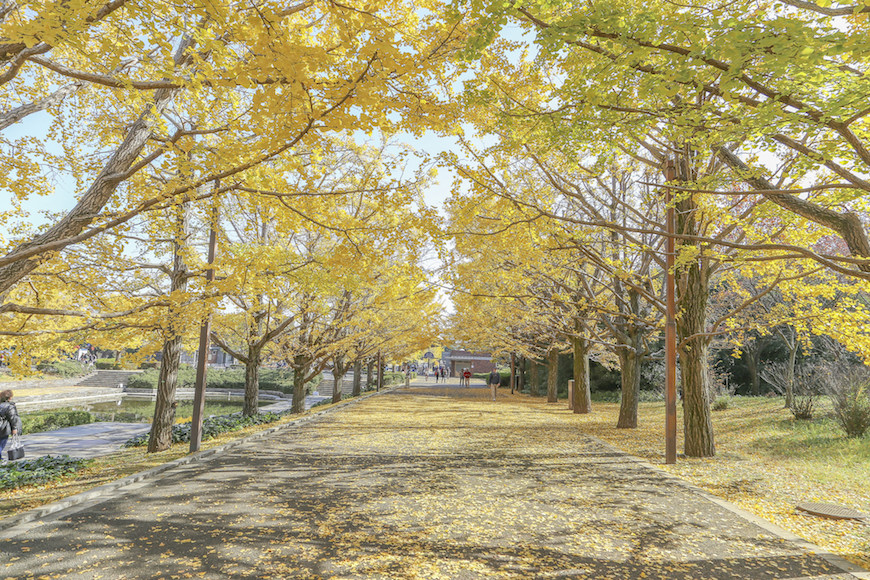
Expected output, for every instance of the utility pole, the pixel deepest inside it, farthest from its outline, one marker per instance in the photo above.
(670, 323)
(204, 333)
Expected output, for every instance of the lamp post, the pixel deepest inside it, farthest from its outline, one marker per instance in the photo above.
(202, 357)
(670, 323)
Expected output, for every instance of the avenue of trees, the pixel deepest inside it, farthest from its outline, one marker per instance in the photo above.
(758, 108)
(271, 123)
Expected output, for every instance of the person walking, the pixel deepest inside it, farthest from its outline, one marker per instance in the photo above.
(494, 382)
(10, 422)
(466, 375)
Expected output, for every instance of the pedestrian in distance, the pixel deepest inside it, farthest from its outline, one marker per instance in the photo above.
(466, 376)
(10, 422)
(494, 382)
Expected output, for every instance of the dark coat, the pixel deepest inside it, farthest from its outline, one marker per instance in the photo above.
(9, 419)
(494, 378)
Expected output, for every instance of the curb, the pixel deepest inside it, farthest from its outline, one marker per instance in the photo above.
(847, 567)
(14, 526)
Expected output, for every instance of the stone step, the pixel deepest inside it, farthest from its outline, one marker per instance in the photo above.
(107, 378)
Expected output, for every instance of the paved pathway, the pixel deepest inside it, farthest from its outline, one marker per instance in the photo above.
(96, 439)
(427, 482)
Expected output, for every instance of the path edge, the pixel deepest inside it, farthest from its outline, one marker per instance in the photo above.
(102, 492)
(840, 562)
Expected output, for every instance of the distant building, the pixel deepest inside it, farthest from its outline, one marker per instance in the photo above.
(456, 360)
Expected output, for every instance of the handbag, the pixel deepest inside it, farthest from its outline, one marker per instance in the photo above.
(16, 449)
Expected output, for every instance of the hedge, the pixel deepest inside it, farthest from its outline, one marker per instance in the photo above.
(270, 379)
(52, 420)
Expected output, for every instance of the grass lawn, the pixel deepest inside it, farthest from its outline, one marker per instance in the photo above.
(766, 461)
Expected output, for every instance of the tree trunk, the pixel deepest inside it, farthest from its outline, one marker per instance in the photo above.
(338, 369)
(252, 383)
(380, 371)
(357, 377)
(522, 383)
(552, 375)
(300, 369)
(513, 371)
(697, 420)
(789, 377)
(533, 378)
(693, 289)
(160, 438)
(753, 356)
(370, 382)
(582, 391)
(629, 366)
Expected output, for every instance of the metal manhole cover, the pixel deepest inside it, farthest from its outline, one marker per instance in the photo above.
(830, 510)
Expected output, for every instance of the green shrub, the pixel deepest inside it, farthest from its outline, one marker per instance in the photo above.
(721, 403)
(211, 427)
(852, 406)
(107, 364)
(37, 471)
(53, 420)
(62, 368)
(606, 396)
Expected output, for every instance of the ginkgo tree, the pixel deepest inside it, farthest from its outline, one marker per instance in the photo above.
(209, 89)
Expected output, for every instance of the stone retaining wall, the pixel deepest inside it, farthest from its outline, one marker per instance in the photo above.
(39, 383)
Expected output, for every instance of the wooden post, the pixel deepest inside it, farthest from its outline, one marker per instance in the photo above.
(202, 358)
(571, 394)
(670, 324)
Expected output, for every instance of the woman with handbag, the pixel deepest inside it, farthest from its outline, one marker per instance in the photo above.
(10, 422)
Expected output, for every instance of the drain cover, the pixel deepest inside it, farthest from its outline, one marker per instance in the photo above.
(830, 510)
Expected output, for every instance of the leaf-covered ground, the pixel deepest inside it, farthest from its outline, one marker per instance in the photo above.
(766, 463)
(411, 484)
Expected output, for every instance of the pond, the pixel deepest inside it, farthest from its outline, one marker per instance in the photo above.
(142, 411)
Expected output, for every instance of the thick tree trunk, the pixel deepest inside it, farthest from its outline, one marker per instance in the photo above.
(300, 369)
(338, 370)
(693, 288)
(582, 390)
(697, 419)
(380, 371)
(252, 383)
(160, 438)
(629, 366)
(370, 378)
(533, 378)
(753, 356)
(552, 375)
(522, 383)
(357, 377)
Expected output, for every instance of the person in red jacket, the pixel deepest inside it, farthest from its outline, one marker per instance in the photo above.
(466, 376)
